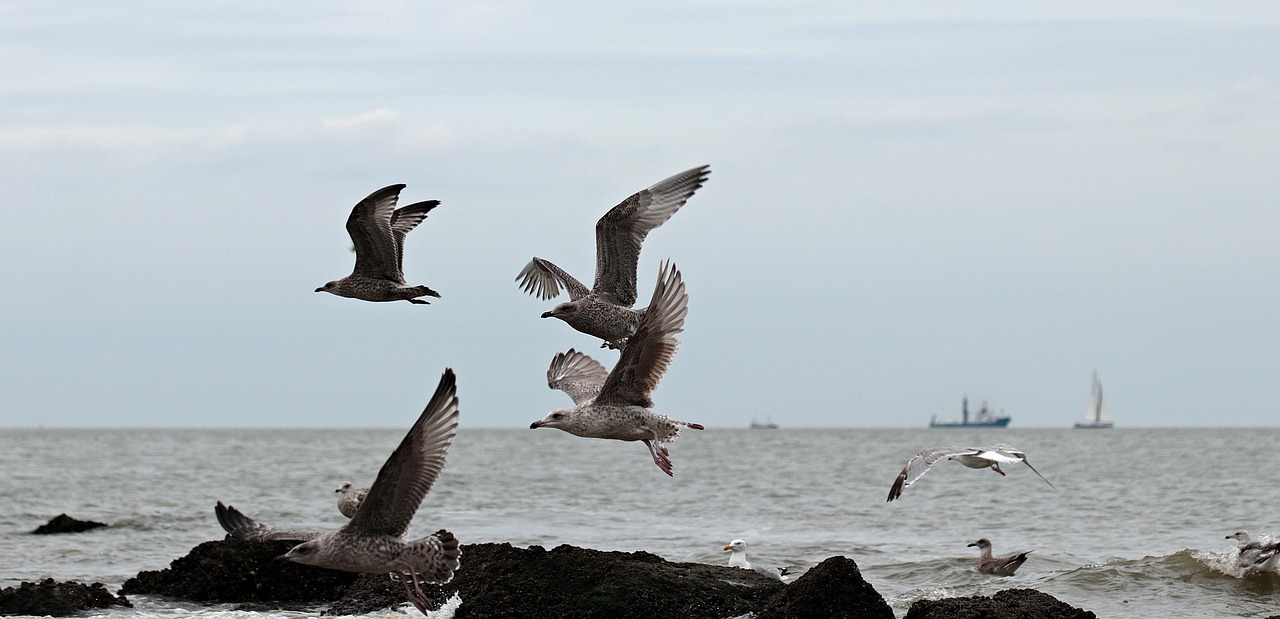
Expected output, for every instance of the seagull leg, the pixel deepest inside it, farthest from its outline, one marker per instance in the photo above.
(660, 456)
(418, 598)
(995, 466)
(418, 301)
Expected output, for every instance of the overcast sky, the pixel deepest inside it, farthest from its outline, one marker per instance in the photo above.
(909, 203)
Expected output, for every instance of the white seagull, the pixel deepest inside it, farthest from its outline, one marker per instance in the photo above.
(973, 457)
(737, 550)
(1255, 556)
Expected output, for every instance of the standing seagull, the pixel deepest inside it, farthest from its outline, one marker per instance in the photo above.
(377, 229)
(350, 497)
(1255, 556)
(975, 458)
(615, 405)
(737, 550)
(605, 310)
(373, 541)
(1000, 566)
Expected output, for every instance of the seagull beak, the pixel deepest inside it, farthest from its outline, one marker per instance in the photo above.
(535, 425)
(971, 545)
(544, 314)
(319, 289)
(283, 557)
(728, 547)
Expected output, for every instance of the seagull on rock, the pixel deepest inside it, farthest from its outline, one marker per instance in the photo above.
(1000, 566)
(605, 310)
(737, 550)
(372, 542)
(377, 230)
(975, 458)
(615, 405)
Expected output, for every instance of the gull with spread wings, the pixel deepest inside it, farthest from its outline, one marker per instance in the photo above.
(377, 230)
(605, 310)
(973, 457)
(372, 542)
(615, 405)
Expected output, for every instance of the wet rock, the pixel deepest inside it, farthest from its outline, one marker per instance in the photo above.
(834, 588)
(1010, 604)
(63, 523)
(57, 599)
(232, 570)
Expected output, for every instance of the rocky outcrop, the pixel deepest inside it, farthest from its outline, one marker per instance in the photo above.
(63, 523)
(1009, 604)
(56, 599)
(500, 580)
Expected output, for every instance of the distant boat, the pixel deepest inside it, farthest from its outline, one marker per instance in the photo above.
(767, 425)
(984, 419)
(1096, 414)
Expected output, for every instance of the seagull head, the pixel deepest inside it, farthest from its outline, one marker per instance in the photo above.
(329, 287)
(1240, 536)
(307, 553)
(736, 545)
(981, 543)
(559, 418)
(345, 487)
(564, 311)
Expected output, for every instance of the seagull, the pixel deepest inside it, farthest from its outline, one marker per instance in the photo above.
(372, 542)
(1255, 556)
(605, 310)
(975, 458)
(615, 405)
(1000, 566)
(737, 550)
(349, 498)
(377, 230)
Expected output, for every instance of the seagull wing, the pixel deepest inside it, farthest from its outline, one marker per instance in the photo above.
(649, 351)
(413, 467)
(370, 228)
(576, 374)
(240, 526)
(919, 464)
(622, 230)
(542, 278)
(402, 221)
(1006, 453)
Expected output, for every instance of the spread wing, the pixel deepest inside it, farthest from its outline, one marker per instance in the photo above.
(621, 231)
(918, 465)
(413, 467)
(649, 351)
(1005, 453)
(576, 374)
(402, 221)
(243, 527)
(370, 228)
(542, 278)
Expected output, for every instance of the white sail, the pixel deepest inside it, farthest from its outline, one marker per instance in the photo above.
(1096, 412)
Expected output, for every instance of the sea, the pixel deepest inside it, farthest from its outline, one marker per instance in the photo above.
(1136, 526)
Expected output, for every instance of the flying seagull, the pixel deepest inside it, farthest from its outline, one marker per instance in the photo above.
(1255, 556)
(615, 405)
(975, 458)
(372, 542)
(1000, 566)
(377, 230)
(605, 310)
(737, 550)
(349, 498)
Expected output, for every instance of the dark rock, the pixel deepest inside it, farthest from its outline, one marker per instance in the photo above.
(233, 570)
(57, 599)
(63, 523)
(835, 588)
(1010, 604)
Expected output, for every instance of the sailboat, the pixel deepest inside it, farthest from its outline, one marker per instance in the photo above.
(1096, 414)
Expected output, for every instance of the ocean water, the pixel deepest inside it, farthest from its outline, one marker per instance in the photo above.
(1135, 528)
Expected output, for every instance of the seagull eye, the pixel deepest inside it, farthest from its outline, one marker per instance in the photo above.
(557, 415)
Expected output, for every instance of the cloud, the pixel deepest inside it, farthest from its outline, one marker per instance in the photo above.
(378, 118)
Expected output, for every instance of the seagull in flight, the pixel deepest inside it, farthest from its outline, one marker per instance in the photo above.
(377, 230)
(973, 457)
(605, 310)
(616, 405)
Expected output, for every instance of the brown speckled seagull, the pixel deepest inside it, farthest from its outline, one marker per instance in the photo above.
(377, 230)
(615, 405)
(349, 498)
(605, 310)
(1000, 566)
(373, 541)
